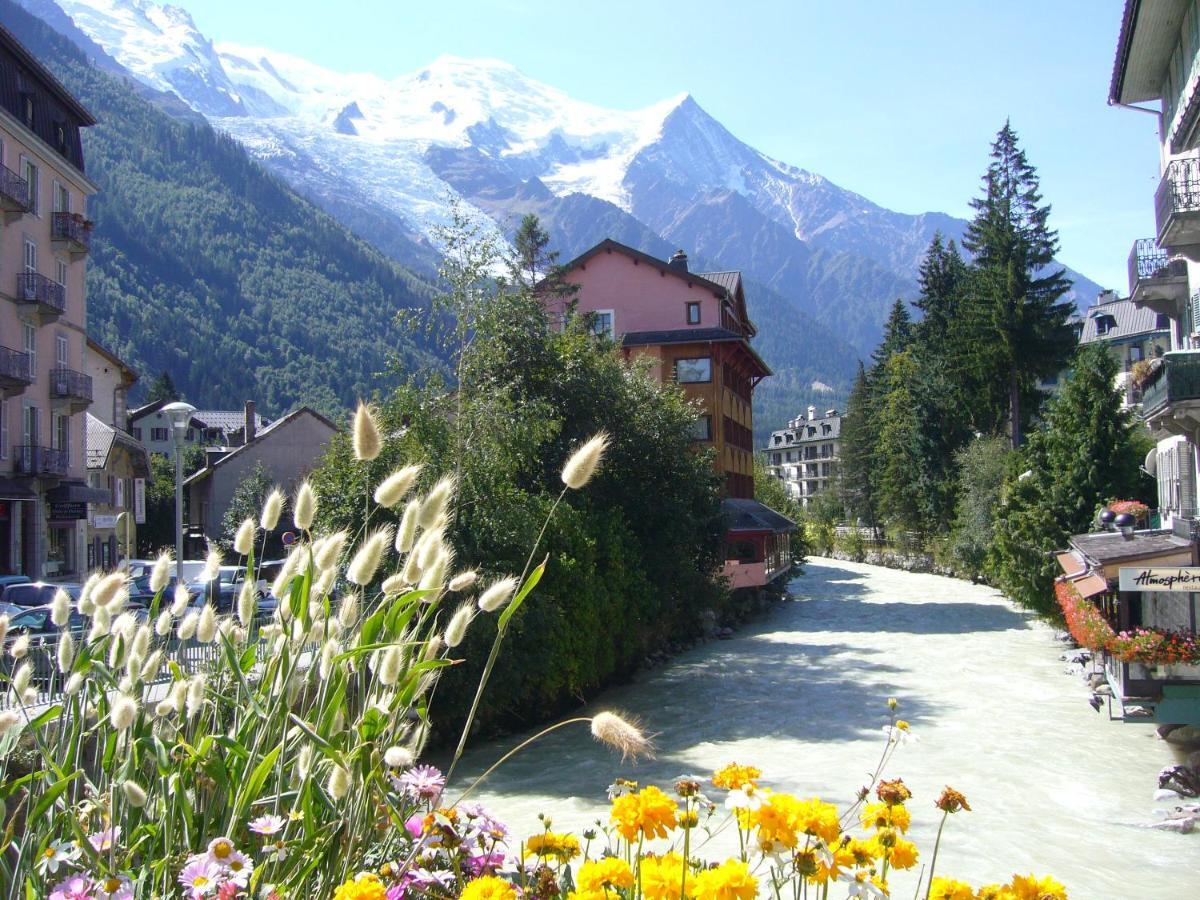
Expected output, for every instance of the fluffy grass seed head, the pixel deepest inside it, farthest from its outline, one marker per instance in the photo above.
(272, 509)
(434, 577)
(4, 620)
(390, 664)
(582, 464)
(19, 648)
(66, 651)
(339, 783)
(180, 601)
(160, 573)
(206, 625)
(304, 506)
(329, 653)
(407, 532)
(412, 568)
(394, 585)
(396, 486)
(348, 611)
(436, 502)
(366, 439)
(457, 629)
(135, 794)
(243, 541)
(497, 594)
(8, 721)
(123, 712)
(330, 550)
(430, 545)
(153, 664)
(365, 562)
(86, 603)
(140, 645)
(195, 694)
(187, 627)
(21, 678)
(106, 589)
(60, 608)
(212, 563)
(247, 604)
(101, 622)
(621, 734)
(74, 684)
(463, 580)
(398, 757)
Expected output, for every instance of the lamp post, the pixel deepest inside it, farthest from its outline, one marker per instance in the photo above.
(180, 414)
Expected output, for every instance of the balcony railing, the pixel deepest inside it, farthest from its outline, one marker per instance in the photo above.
(14, 367)
(1149, 262)
(48, 294)
(1177, 203)
(1176, 380)
(67, 384)
(30, 459)
(14, 191)
(73, 229)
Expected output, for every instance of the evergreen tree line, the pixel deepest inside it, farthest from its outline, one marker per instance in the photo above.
(949, 443)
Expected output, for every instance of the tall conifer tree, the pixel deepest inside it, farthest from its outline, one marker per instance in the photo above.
(859, 436)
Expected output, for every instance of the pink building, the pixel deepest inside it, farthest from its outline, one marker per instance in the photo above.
(695, 329)
(44, 389)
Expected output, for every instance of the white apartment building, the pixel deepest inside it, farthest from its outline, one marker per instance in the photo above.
(804, 456)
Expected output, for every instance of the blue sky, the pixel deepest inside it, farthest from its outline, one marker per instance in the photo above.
(896, 100)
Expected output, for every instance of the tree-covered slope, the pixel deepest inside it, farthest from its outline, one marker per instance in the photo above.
(204, 265)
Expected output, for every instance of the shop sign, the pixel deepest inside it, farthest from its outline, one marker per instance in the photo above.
(67, 510)
(139, 501)
(106, 521)
(1171, 578)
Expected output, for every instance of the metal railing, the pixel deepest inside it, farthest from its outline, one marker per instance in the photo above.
(66, 226)
(1178, 192)
(33, 287)
(14, 365)
(69, 384)
(30, 459)
(14, 187)
(1148, 261)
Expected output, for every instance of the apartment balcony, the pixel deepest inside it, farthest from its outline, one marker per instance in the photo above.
(70, 389)
(71, 232)
(14, 193)
(39, 462)
(1157, 281)
(16, 374)
(48, 297)
(1177, 208)
(1171, 394)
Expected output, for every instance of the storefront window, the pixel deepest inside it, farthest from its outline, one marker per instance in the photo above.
(60, 547)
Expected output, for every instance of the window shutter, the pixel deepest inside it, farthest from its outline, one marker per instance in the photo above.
(3, 430)
(1186, 462)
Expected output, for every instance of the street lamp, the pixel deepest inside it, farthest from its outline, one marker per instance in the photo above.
(180, 414)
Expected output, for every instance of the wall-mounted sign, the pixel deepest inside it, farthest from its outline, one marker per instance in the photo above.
(106, 521)
(1182, 578)
(68, 510)
(139, 501)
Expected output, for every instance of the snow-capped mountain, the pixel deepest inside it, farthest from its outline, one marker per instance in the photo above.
(386, 156)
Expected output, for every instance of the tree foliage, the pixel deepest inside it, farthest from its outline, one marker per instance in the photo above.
(246, 503)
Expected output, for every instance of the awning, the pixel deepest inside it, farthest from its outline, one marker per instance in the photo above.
(11, 489)
(77, 492)
(1070, 563)
(1091, 585)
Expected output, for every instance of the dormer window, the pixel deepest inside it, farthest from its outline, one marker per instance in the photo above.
(27, 105)
(1105, 324)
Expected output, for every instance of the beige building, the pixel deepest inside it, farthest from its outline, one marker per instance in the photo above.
(805, 455)
(44, 390)
(117, 463)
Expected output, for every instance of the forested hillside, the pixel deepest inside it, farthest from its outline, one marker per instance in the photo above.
(204, 265)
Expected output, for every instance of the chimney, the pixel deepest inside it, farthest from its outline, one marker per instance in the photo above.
(812, 413)
(830, 413)
(251, 419)
(678, 261)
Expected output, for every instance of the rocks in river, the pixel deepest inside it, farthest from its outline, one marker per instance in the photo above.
(1183, 735)
(1096, 680)
(1181, 825)
(725, 634)
(1166, 795)
(1078, 657)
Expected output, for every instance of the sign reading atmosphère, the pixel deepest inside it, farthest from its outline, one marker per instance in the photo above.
(1183, 578)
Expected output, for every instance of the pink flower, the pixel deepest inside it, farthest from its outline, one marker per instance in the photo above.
(102, 841)
(415, 825)
(200, 877)
(484, 863)
(237, 868)
(77, 887)
(227, 891)
(268, 824)
(114, 887)
(396, 892)
(423, 782)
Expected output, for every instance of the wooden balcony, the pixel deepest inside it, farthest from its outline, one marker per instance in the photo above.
(14, 194)
(39, 462)
(71, 232)
(1157, 281)
(16, 374)
(1177, 208)
(70, 389)
(46, 296)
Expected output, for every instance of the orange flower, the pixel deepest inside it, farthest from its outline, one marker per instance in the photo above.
(649, 813)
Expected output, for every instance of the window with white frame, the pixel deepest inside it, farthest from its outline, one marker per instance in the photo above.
(3, 429)
(30, 173)
(30, 256)
(62, 197)
(60, 273)
(159, 434)
(61, 348)
(29, 345)
(693, 371)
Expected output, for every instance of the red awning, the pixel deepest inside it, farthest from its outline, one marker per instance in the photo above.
(1091, 585)
(1071, 564)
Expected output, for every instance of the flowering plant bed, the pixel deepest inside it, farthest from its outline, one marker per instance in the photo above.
(1147, 646)
(1135, 508)
(1085, 622)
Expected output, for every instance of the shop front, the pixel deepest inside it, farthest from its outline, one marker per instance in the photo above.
(16, 504)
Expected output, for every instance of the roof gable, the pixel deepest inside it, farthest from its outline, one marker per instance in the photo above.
(608, 245)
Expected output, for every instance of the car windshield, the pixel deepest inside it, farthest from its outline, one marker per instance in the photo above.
(36, 594)
(33, 620)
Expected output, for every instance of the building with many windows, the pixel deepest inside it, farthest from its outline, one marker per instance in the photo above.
(1134, 335)
(209, 428)
(694, 329)
(44, 389)
(804, 456)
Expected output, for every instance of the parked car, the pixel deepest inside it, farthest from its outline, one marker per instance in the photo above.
(223, 590)
(36, 593)
(140, 592)
(7, 580)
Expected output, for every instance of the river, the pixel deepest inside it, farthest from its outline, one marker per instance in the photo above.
(1055, 787)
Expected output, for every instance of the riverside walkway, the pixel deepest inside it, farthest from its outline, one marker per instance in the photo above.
(1056, 788)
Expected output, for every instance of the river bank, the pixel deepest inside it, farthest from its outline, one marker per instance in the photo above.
(1055, 786)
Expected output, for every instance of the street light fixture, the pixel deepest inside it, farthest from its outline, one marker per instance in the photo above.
(180, 414)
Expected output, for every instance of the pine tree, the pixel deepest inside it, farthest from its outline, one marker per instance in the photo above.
(1017, 323)
(859, 436)
(897, 336)
(1086, 453)
(163, 388)
(942, 277)
(897, 461)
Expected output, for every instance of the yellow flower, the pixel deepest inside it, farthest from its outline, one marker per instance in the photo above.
(649, 813)
(902, 725)
(880, 815)
(994, 892)
(902, 854)
(489, 887)
(842, 859)
(949, 889)
(864, 852)
(1030, 887)
(662, 876)
(734, 776)
(609, 872)
(778, 819)
(820, 819)
(729, 881)
(563, 847)
(366, 886)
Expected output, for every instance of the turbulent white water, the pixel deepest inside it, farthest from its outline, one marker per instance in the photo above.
(1056, 788)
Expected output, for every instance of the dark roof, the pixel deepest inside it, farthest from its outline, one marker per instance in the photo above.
(269, 430)
(226, 420)
(1126, 38)
(727, 280)
(1106, 547)
(740, 514)
(10, 42)
(800, 432)
(609, 245)
(1128, 321)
